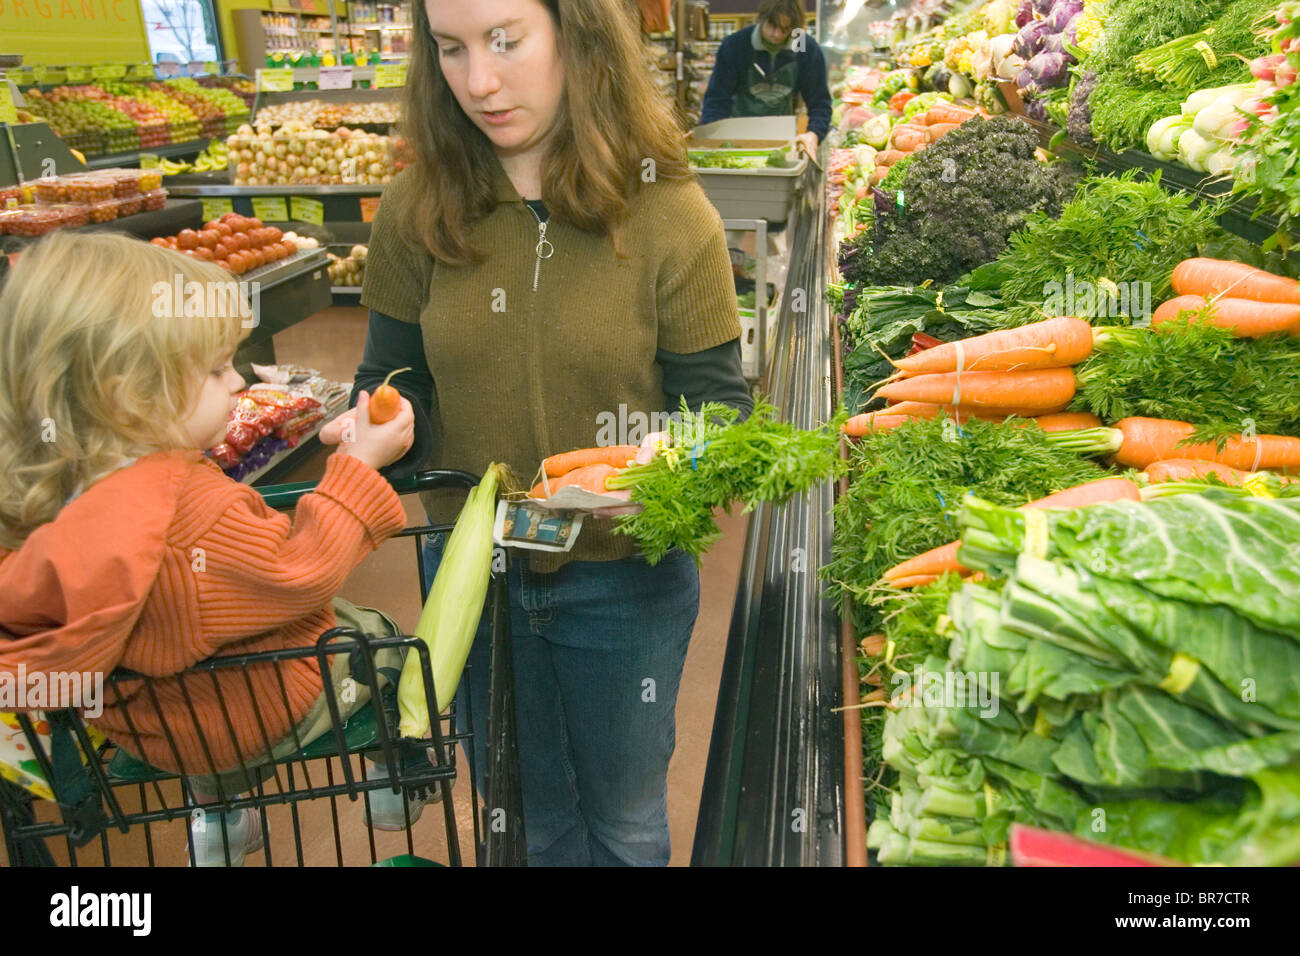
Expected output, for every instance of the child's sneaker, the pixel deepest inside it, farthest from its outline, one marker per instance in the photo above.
(243, 834)
(385, 810)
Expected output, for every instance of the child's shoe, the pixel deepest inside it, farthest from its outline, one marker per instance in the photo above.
(385, 811)
(243, 833)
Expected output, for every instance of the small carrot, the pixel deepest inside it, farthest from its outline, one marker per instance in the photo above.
(616, 455)
(906, 137)
(1179, 469)
(873, 645)
(888, 157)
(947, 113)
(1201, 276)
(1042, 389)
(588, 478)
(1149, 440)
(387, 401)
(1052, 343)
(937, 131)
(938, 560)
(1247, 318)
(914, 581)
(1067, 421)
(869, 422)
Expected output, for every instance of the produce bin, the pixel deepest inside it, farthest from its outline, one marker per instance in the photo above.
(766, 193)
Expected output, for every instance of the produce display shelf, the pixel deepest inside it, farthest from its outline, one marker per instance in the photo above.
(178, 214)
(345, 289)
(220, 190)
(286, 270)
(190, 147)
(288, 458)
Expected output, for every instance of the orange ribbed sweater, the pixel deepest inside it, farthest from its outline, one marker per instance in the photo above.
(168, 562)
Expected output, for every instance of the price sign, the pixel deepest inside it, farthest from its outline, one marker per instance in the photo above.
(142, 71)
(170, 69)
(108, 71)
(369, 206)
(336, 77)
(271, 209)
(150, 161)
(303, 209)
(216, 208)
(195, 67)
(77, 74)
(54, 76)
(390, 75)
(22, 77)
(212, 68)
(279, 80)
(8, 112)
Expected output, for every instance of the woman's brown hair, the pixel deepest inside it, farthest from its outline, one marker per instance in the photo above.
(612, 119)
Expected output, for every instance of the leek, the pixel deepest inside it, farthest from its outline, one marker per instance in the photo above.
(451, 613)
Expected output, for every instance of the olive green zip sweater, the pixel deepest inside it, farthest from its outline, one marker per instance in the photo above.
(521, 372)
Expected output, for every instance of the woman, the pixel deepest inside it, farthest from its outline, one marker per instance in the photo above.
(548, 262)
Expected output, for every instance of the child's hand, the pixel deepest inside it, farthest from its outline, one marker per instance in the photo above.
(376, 445)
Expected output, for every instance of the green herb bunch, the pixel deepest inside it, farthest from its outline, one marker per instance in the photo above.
(1190, 370)
(714, 460)
(906, 489)
(961, 198)
(1117, 228)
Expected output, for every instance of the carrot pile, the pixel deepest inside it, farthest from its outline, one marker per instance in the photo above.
(918, 133)
(1233, 295)
(586, 468)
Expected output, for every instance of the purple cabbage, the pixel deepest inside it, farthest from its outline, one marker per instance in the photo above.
(1036, 110)
(1030, 39)
(1047, 70)
(1070, 35)
(1043, 7)
(1024, 13)
(1063, 13)
(1055, 43)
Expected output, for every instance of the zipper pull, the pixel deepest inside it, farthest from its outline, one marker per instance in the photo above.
(544, 251)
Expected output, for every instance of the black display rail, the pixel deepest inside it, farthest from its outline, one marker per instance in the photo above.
(774, 784)
(384, 95)
(342, 204)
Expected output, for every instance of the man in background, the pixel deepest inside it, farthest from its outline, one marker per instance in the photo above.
(761, 68)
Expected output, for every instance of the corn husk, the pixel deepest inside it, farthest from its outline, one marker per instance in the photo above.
(451, 613)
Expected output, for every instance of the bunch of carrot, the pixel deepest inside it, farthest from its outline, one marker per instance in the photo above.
(586, 468)
(1143, 442)
(927, 567)
(1027, 371)
(1233, 295)
(919, 132)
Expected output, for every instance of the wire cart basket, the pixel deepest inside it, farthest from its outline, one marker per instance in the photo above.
(101, 801)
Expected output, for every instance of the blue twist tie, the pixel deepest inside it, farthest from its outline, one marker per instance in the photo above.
(696, 451)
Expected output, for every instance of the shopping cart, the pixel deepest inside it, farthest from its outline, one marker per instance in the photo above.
(108, 803)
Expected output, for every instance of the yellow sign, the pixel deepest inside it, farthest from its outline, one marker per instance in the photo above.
(278, 80)
(100, 31)
(22, 77)
(369, 206)
(54, 76)
(149, 161)
(142, 71)
(212, 68)
(306, 210)
(110, 71)
(8, 112)
(271, 209)
(78, 74)
(389, 75)
(216, 208)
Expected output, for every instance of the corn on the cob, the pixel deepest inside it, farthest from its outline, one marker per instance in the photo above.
(451, 613)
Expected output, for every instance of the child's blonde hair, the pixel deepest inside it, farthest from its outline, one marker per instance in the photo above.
(96, 366)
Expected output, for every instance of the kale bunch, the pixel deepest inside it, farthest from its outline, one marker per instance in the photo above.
(955, 204)
(1079, 116)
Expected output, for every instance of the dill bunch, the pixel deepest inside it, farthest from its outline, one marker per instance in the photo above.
(716, 460)
(1192, 371)
(907, 485)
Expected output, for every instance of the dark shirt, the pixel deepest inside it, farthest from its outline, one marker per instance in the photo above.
(735, 62)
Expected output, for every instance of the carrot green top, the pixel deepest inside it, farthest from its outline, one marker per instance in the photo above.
(522, 374)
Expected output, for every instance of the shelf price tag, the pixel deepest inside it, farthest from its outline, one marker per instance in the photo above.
(142, 71)
(369, 206)
(22, 77)
(54, 76)
(216, 208)
(389, 75)
(108, 71)
(271, 209)
(77, 74)
(335, 78)
(212, 68)
(8, 112)
(275, 80)
(303, 209)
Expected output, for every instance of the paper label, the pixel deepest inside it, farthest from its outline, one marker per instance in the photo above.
(142, 71)
(335, 78)
(77, 74)
(271, 209)
(576, 499)
(520, 524)
(369, 206)
(216, 208)
(279, 80)
(108, 71)
(303, 209)
(390, 75)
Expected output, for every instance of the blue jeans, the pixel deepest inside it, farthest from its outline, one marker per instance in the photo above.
(599, 648)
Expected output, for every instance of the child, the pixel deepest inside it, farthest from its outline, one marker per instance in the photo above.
(122, 545)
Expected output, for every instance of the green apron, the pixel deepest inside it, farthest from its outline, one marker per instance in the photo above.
(771, 95)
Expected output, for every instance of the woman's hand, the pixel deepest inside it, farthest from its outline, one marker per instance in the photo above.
(376, 445)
